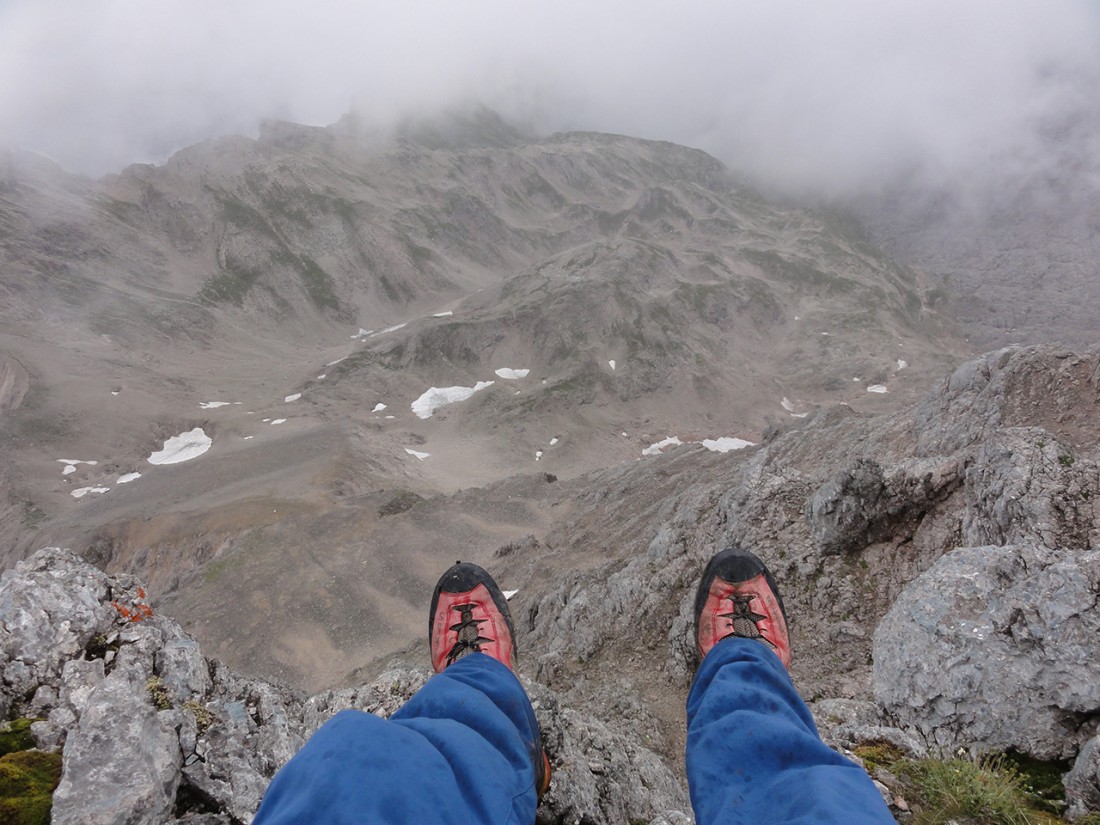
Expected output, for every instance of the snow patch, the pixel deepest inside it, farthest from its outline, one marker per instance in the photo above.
(717, 445)
(248, 437)
(182, 447)
(443, 314)
(511, 374)
(787, 405)
(362, 333)
(611, 364)
(213, 405)
(294, 397)
(655, 449)
(126, 479)
(436, 397)
(508, 594)
(724, 445)
(70, 464)
(538, 454)
(855, 378)
(337, 361)
(321, 377)
(379, 407)
(83, 491)
(416, 453)
(394, 328)
(278, 421)
(877, 388)
(902, 364)
(553, 441)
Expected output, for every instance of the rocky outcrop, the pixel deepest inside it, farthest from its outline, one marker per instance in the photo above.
(996, 648)
(849, 511)
(1083, 782)
(151, 731)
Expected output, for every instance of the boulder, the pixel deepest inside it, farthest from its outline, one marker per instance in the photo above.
(1083, 782)
(996, 648)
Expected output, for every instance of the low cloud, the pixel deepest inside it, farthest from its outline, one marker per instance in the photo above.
(832, 99)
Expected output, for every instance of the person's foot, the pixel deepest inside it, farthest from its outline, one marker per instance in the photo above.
(738, 597)
(469, 614)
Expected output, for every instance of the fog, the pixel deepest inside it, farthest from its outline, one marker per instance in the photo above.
(829, 99)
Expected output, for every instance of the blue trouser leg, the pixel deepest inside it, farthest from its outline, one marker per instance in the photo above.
(460, 751)
(754, 754)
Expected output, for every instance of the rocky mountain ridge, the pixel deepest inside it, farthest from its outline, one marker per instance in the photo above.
(939, 564)
(291, 298)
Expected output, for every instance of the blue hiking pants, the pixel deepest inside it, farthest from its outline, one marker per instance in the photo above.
(460, 751)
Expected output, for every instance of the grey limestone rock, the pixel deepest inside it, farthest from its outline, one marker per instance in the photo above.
(121, 762)
(996, 647)
(1083, 781)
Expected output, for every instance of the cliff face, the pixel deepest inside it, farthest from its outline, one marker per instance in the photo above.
(940, 566)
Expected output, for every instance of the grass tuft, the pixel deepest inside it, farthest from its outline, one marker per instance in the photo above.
(983, 791)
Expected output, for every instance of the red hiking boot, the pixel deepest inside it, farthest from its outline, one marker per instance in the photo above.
(469, 614)
(738, 597)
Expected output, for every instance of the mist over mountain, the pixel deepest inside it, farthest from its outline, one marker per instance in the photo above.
(732, 287)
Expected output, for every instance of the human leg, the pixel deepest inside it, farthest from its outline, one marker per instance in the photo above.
(754, 754)
(466, 748)
(459, 751)
(753, 751)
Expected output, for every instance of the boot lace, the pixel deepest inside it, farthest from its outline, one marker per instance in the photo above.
(469, 639)
(743, 620)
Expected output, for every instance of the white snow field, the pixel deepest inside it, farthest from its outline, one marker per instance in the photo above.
(436, 397)
(70, 464)
(417, 453)
(878, 388)
(394, 328)
(290, 398)
(511, 374)
(182, 447)
(126, 479)
(715, 445)
(724, 445)
(83, 491)
(655, 449)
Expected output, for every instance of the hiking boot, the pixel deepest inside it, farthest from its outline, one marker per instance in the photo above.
(738, 597)
(469, 614)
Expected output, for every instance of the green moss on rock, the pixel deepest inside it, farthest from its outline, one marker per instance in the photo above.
(27, 782)
(16, 736)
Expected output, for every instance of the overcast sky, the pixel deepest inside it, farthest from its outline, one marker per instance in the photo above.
(832, 97)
